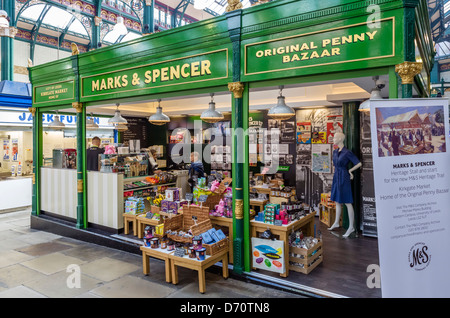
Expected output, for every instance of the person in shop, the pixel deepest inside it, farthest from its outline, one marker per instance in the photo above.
(92, 154)
(196, 170)
(153, 157)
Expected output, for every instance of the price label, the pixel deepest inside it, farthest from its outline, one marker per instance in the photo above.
(203, 198)
(179, 252)
(189, 197)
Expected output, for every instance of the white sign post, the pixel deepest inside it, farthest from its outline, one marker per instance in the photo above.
(411, 161)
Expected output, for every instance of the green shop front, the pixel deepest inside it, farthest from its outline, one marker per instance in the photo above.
(323, 59)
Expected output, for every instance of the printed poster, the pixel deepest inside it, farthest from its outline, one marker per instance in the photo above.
(303, 132)
(6, 150)
(321, 158)
(268, 255)
(334, 125)
(15, 149)
(412, 196)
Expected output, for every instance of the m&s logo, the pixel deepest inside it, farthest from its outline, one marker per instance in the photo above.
(419, 256)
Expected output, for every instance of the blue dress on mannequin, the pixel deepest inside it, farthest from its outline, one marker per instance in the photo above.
(341, 190)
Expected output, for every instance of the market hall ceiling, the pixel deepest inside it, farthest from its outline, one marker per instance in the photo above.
(54, 23)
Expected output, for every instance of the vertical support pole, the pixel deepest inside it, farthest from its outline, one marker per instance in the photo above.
(7, 43)
(81, 141)
(410, 68)
(149, 19)
(351, 127)
(240, 148)
(239, 176)
(37, 123)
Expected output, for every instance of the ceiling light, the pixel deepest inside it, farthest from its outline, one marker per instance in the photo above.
(90, 123)
(117, 119)
(212, 115)
(56, 124)
(159, 118)
(281, 111)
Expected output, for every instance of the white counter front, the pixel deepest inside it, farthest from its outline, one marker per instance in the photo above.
(15, 193)
(59, 191)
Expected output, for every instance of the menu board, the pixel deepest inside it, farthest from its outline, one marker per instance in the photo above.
(137, 129)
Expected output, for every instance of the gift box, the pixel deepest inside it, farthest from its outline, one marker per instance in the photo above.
(165, 205)
(173, 194)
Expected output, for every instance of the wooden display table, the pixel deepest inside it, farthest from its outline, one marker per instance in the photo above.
(129, 218)
(260, 203)
(159, 254)
(141, 221)
(200, 266)
(225, 222)
(306, 223)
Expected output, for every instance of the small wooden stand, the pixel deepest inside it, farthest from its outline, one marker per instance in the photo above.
(327, 214)
(200, 266)
(158, 253)
(141, 221)
(129, 218)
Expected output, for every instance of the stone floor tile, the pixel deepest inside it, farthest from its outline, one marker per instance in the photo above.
(133, 287)
(20, 292)
(44, 248)
(107, 269)
(16, 275)
(52, 263)
(8, 258)
(56, 285)
(36, 237)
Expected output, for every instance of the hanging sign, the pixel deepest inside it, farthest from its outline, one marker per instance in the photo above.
(191, 69)
(304, 52)
(412, 194)
(54, 92)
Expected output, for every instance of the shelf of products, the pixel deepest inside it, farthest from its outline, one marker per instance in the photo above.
(130, 165)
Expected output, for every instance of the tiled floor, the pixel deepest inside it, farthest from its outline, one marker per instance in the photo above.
(36, 264)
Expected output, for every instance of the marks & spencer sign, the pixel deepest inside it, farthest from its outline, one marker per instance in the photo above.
(305, 52)
(199, 68)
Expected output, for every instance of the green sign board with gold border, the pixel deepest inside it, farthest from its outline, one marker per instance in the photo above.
(317, 51)
(59, 93)
(173, 74)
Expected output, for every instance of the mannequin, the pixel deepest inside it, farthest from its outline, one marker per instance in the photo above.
(341, 192)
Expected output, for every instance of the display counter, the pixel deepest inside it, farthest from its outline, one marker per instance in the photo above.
(106, 195)
(58, 189)
(16, 192)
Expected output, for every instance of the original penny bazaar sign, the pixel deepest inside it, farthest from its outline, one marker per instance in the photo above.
(203, 68)
(306, 52)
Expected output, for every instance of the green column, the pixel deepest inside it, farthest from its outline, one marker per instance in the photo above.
(409, 69)
(95, 38)
(149, 21)
(81, 185)
(351, 129)
(7, 43)
(239, 160)
(37, 151)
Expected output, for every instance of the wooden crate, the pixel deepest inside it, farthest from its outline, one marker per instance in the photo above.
(155, 209)
(211, 249)
(327, 215)
(306, 258)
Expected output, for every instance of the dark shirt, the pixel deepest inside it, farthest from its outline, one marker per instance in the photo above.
(92, 157)
(197, 169)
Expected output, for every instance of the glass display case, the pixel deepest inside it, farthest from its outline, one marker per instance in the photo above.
(130, 165)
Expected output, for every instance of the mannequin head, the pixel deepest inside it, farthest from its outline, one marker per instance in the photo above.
(338, 138)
